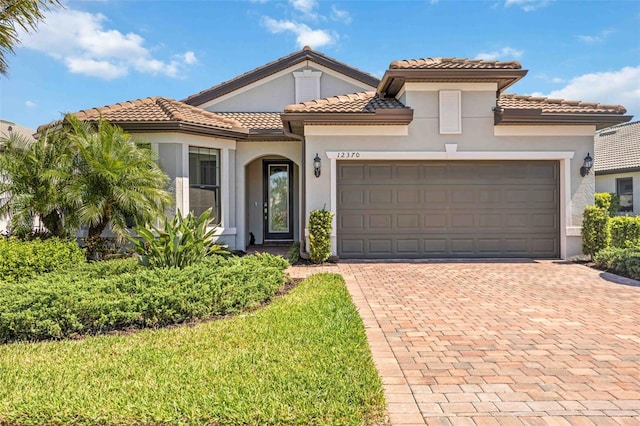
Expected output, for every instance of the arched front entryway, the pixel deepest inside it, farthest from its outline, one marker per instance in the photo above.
(272, 201)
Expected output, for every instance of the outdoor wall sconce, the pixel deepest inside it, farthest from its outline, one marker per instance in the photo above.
(586, 166)
(317, 165)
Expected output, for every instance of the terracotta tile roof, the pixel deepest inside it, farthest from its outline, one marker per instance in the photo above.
(9, 127)
(617, 148)
(157, 109)
(453, 64)
(556, 106)
(361, 102)
(306, 54)
(255, 120)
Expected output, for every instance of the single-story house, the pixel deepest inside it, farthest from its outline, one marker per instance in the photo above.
(433, 160)
(617, 164)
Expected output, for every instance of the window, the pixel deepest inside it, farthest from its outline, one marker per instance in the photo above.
(624, 189)
(204, 181)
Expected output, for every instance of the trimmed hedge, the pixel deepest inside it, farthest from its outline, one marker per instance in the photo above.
(625, 231)
(595, 230)
(622, 261)
(21, 260)
(115, 295)
(320, 235)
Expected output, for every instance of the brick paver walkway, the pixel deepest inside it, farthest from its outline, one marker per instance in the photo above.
(484, 343)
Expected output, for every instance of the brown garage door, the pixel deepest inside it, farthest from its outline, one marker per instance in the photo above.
(431, 209)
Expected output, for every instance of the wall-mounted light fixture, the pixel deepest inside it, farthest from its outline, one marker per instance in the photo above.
(317, 166)
(586, 166)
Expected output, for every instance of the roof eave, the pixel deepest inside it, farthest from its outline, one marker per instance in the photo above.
(618, 171)
(179, 126)
(394, 79)
(295, 121)
(505, 116)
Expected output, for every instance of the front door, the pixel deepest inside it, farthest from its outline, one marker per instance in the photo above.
(278, 200)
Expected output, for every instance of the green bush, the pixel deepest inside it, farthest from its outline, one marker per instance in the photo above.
(595, 230)
(608, 201)
(320, 235)
(293, 255)
(181, 242)
(622, 261)
(118, 294)
(21, 260)
(625, 231)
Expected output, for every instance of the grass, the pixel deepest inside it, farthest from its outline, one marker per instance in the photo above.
(303, 359)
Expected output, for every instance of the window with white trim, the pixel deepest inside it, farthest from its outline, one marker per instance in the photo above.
(624, 189)
(204, 181)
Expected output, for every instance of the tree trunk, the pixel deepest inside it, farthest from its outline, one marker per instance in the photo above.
(96, 230)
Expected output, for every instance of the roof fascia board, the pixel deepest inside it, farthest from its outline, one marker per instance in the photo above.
(617, 171)
(295, 122)
(536, 116)
(235, 133)
(394, 79)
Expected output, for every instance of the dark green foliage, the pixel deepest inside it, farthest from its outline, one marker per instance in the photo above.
(114, 295)
(625, 231)
(21, 260)
(182, 241)
(320, 235)
(595, 230)
(622, 261)
(293, 255)
(608, 201)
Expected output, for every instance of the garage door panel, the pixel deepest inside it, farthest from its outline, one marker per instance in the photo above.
(448, 209)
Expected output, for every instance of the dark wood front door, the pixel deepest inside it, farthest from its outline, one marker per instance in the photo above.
(278, 200)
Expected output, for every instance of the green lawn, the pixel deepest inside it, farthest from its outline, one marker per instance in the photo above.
(303, 359)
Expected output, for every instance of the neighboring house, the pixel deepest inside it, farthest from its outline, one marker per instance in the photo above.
(7, 128)
(617, 164)
(434, 160)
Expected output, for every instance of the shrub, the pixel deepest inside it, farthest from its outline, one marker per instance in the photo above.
(118, 294)
(625, 231)
(608, 201)
(181, 242)
(622, 261)
(320, 235)
(595, 230)
(293, 255)
(22, 260)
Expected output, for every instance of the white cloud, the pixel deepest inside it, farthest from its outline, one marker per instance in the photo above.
(305, 36)
(306, 7)
(80, 40)
(340, 15)
(558, 80)
(30, 104)
(527, 5)
(504, 53)
(620, 87)
(594, 39)
(190, 58)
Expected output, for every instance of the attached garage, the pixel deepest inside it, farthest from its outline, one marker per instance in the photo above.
(441, 209)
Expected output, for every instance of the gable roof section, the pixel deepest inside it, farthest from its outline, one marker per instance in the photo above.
(617, 149)
(364, 108)
(158, 113)
(262, 126)
(306, 54)
(449, 70)
(523, 109)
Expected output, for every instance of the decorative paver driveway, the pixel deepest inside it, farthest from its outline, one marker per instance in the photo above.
(500, 342)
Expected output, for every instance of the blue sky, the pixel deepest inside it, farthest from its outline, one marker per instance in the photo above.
(94, 53)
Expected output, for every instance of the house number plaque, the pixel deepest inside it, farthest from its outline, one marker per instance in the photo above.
(353, 154)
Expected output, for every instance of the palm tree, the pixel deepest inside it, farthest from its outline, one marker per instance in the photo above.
(16, 14)
(115, 180)
(33, 177)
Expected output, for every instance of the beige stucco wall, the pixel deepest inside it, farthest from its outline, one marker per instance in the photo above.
(607, 183)
(273, 93)
(477, 137)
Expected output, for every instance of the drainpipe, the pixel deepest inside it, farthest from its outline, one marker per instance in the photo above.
(303, 177)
